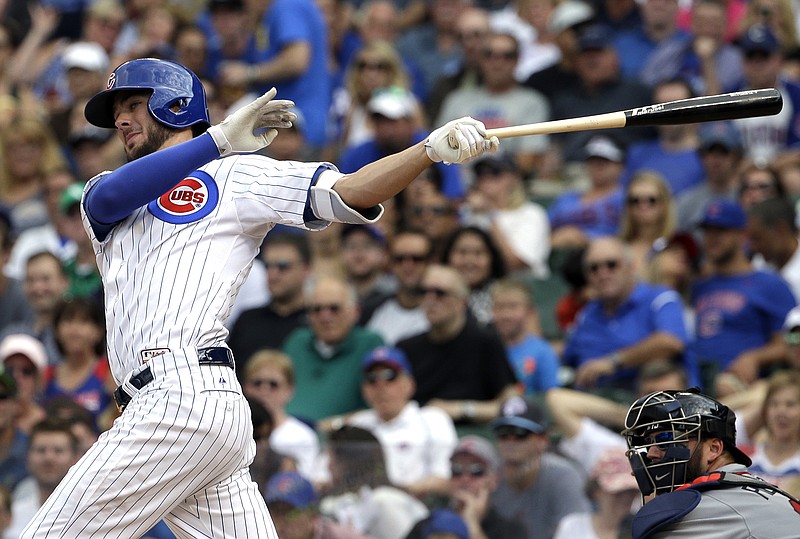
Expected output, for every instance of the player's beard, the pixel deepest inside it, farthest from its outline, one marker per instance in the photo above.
(157, 135)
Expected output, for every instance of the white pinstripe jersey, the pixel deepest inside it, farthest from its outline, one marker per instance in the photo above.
(171, 270)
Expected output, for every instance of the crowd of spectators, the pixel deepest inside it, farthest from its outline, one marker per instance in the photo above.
(405, 379)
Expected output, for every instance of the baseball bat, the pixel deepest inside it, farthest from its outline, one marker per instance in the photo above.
(745, 104)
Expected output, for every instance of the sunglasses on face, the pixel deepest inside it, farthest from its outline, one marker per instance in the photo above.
(757, 187)
(417, 259)
(333, 308)
(380, 65)
(509, 432)
(438, 293)
(472, 470)
(280, 265)
(636, 200)
(610, 265)
(24, 371)
(387, 375)
(258, 383)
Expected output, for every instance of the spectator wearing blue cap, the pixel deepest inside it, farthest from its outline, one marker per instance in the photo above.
(445, 524)
(292, 503)
(767, 137)
(417, 441)
(537, 487)
(739, 311)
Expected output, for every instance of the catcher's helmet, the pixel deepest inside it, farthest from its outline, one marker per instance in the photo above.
(668, 419)
(178, 99)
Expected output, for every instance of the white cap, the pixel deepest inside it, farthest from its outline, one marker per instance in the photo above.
(86, 55)
(569, 13)
(392, 102)
(27, 345)
(792, 319)
(605, 148)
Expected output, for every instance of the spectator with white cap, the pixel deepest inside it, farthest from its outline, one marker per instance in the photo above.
(24, 357)
(394, 112)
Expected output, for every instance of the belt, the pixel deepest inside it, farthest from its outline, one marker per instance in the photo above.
(205, 356)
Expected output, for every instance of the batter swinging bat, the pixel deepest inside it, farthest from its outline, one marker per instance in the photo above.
(746, 104)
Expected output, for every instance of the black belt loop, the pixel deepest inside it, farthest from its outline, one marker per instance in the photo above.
(205, 356)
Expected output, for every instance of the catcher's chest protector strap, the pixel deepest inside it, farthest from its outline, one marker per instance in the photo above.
(668, 508)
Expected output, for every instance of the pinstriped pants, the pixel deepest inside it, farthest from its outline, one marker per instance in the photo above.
(180, 452)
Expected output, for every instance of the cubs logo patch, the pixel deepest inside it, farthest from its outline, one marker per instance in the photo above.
(189, 201)
(112, 80)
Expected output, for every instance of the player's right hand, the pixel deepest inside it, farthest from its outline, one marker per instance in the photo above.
(253, 126)
(459, 140)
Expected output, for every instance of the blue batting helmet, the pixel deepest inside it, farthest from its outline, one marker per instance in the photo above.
(178, 99)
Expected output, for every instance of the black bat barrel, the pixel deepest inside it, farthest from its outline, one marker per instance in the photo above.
(744, 104)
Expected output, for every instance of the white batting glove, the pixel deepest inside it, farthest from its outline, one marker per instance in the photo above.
(459, 140)
(253, 126)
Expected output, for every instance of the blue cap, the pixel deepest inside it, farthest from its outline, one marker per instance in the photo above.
(723, 214)
(759, 38)
(387, 356)
(445, 521)
(291, 488)
(595, 37)
(521, 412)
(722, 134)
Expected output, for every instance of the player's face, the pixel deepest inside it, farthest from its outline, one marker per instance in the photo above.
(140, 133)
(386, 390)
(49, 457)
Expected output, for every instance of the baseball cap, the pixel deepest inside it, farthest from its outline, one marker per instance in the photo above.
(719, 134)
(521, 412)
(86, 55)
(604, 148)
(445, 521)
(479, 447)
(372, 231)
(387, 356)
(290, 488)
(612, 471)
(568, 14)
(595, 37)
(70, 197)
(494, 163)
(26, 345)
(759, 38)
(723, 214)
(392, 102)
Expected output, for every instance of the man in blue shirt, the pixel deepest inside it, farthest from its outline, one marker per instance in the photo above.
(628, 324)
(739, 311)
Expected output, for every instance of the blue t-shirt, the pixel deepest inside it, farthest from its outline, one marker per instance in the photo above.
(535, 364)
(682, 170)
(292, 21)
(595, 218)
(355, 157)
(649, 308)
(738, 313)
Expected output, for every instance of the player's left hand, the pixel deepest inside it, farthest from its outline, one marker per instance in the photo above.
(253, 126)
(459, 140)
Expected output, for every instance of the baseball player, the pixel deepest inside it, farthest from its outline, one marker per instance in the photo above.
(682, 450)
(175, 231)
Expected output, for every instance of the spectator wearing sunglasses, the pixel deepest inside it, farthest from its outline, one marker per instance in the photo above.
(24, 357)
(269, 379)
(628, 324)
(327, 354)
(459, 365)
(417, 441)
(474, 467)
(537, 487)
